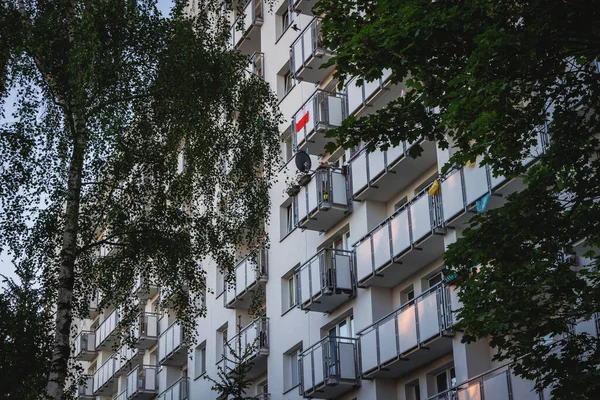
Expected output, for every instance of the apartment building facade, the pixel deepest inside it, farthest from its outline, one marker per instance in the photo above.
(356, 306)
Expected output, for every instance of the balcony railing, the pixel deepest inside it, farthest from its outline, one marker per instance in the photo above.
(245, 31)
(402, 244)
(498, 384)
(323, 201)
(307, 54)
(418, 331)
(145, 330)
(126, 358)
(250, 274)
(171, 348)
(94, 307)
(106, 332)
(121, 396)
(257, 64)
(85, 390)
(329, 368)
(253, 342)
(304, 6)
(360, 97)
(104, 378)
(177, 391)
(144, 288)
(473, 188)
(321, 112)
(85, 346)
(142, 382)
(380, 175)
(327, 280)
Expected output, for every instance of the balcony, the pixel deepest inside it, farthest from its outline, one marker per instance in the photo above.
(307, 54)
(323, 201)
(321, 112)
(590, 327)
(171, 348)
(402, 244)
(304, 6)
(144, 288)
(382, 174)
(329, 368)
(85, 390)
(104, 378)
(94, 307)
(498, 384)
(121, 396)
(126, 358)
(145, 330)
(245, 31)
(362, 99)
(107, 333)
(418, 332)
(255, 336)
(177, 391)
(85, 346)
(250, 275)
(257, 64)
(326, 281)
(142, 383)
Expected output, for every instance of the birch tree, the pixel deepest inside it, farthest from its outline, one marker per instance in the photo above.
(139, 147)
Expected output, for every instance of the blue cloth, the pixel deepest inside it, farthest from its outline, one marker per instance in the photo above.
(482, 203)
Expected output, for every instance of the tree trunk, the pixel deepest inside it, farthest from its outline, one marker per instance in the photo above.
(61, 349)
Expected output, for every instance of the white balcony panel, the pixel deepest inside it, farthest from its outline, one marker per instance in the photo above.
(315, 274)
(301, 201)
(347, 364)
(297, 58)
(452, 195)
(429, 323)
(355, 96)
(364, 263)
(588, 326)
(312, 195)
(338, 182)
(307, 381)
(522, 389)
(496, 387)
(318, 365)
(371, 88)
(470, 393)
(305, 294)
(420, 218)
(394, 153)
(307, 42)
(107, 327)
(407, 329)
(381, 246)
(496, 181)
(307, 112)
(387, 73)
(376, 164)
(400, 233)
(387, 341)
(359, 172)
(240, 279)
(343, 273)
(336, 107)
(476, 183)
(368, 350)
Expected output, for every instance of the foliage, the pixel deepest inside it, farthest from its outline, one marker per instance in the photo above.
(111, 98)
(24, 340)
(485, 77)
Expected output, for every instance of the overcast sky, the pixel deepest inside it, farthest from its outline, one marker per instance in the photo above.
(6, 266)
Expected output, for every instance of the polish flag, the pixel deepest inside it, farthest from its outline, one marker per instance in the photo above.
(301, 123)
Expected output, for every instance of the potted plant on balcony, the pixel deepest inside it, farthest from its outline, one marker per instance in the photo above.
(293, 184)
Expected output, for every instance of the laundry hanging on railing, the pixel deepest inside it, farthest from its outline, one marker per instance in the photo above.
(482, 203)
(435, 188)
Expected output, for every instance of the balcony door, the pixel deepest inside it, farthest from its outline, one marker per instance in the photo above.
(344, 330)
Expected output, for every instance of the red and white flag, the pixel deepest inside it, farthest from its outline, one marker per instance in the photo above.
(305, 117)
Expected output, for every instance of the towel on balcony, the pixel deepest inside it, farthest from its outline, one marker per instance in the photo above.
(482, 203)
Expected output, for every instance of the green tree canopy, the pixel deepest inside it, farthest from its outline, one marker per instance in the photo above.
(485, 77)
(138, 138)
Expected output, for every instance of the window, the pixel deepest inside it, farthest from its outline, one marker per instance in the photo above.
(445, 380)
(288, 82)
(435, 279)
(413, 391)
(222, 349)
(291, 284)
(220, 283)
(401, 203)
(200, 360)
(291, 372)
(180, 162)
(285, 20)
(287, 149)
(426, 183)
(344, 328)
(285, 16)
(295, 378)
(407, 295)
(289, 219)
(262, 388)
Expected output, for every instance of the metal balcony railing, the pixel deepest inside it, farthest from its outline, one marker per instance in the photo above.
(85, 346)
(85, 390)
(243, 26)
(322, 111)
(253, 342)
(171, 347)
(145, 330)
(414, 326)
(107, 329)
(307, 54)
(329, 368)
(177, 391)
(327, 280)
(250, 272)
(121, 396)
(142, 382)
(323, 201)
(390, 246)
(103, 377)
(499, 383)
(359, 97)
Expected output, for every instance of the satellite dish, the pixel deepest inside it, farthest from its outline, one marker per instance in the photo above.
(303, 162)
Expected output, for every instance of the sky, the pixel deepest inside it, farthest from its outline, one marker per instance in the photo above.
(6, 265)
